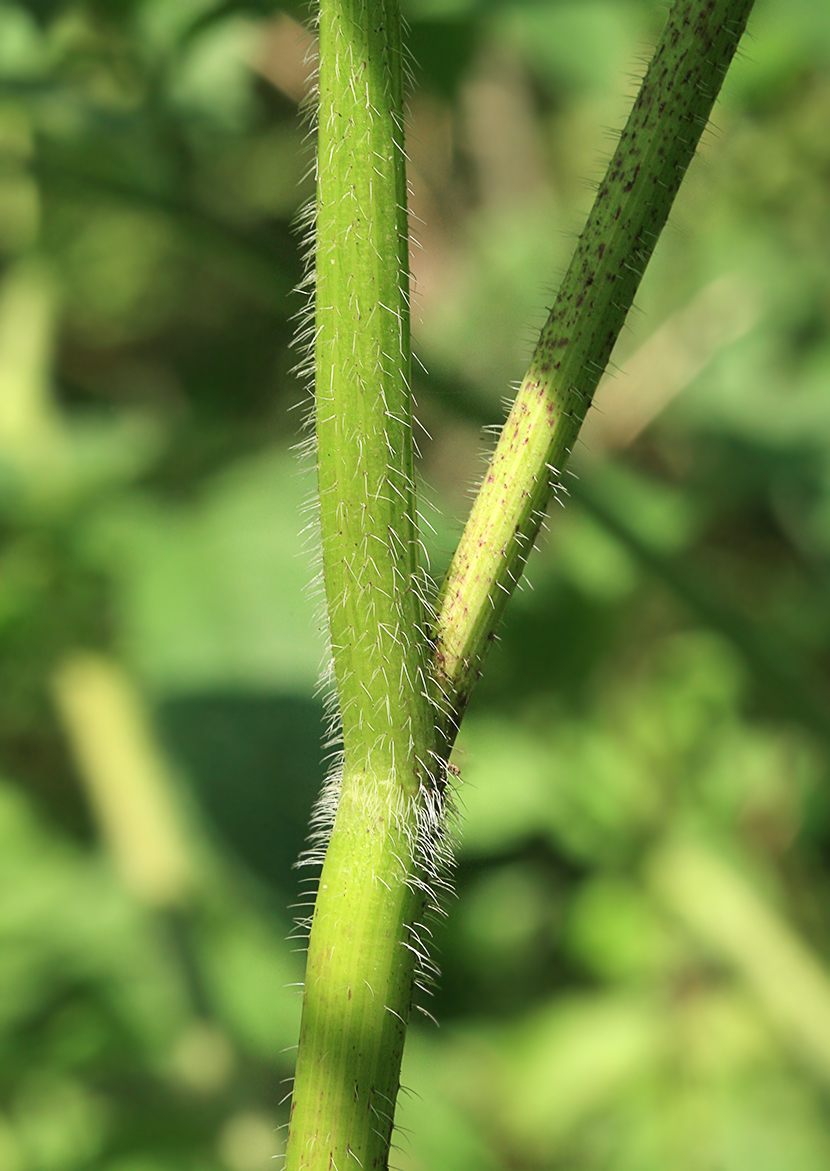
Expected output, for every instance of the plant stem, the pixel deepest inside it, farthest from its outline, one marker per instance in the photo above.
(364, 939)
(630, 210)
(364, 942)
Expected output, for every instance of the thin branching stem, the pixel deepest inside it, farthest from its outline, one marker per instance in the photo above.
(630, 210)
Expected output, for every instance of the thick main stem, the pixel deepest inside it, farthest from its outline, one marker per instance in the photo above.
(364, 941)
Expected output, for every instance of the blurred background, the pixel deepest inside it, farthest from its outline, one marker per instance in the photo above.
(636, 970)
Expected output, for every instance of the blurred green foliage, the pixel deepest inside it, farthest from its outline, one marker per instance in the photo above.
(635, 971)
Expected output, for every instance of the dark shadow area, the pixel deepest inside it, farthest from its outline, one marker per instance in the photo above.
(254, 763)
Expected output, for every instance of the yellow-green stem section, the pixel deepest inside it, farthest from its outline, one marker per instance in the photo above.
(358, 987)
(629, 212)
(361, 952)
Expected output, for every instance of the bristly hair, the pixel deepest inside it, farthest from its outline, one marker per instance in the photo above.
(431, 812)
(322, 817)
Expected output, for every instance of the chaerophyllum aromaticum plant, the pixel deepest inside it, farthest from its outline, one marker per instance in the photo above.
(404, 664)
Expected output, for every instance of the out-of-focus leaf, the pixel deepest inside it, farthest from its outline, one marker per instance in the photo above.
(216, 594)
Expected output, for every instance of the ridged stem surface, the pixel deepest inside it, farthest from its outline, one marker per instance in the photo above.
(363, 936)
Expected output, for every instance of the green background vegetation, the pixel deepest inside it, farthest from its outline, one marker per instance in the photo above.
(636, 971)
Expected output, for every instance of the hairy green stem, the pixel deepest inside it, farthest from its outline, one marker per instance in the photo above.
(363, 408)
(630, 210)
(364, 936)
(364, 941)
